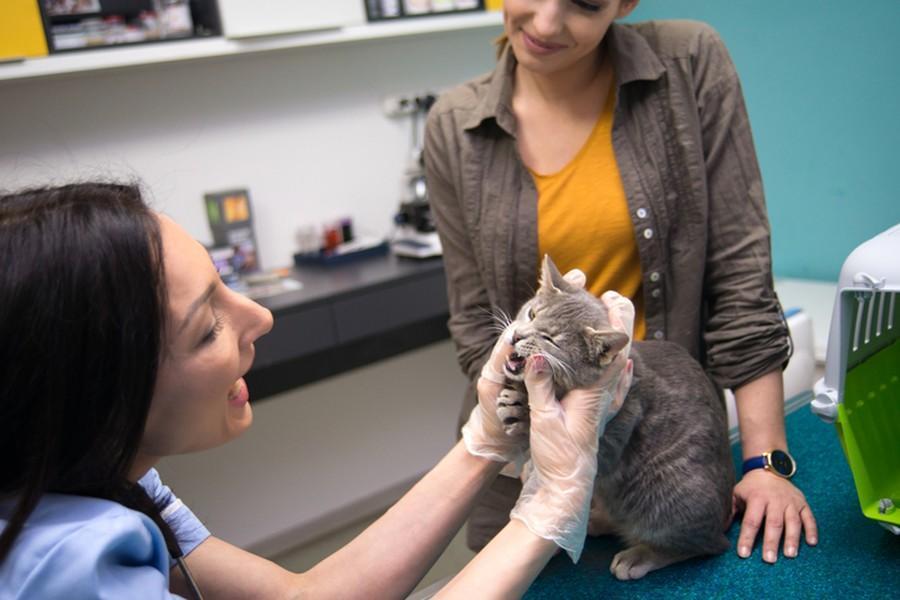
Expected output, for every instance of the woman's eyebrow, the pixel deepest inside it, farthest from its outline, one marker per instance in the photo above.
(197, 304)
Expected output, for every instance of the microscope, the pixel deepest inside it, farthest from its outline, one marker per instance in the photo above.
(415, 235)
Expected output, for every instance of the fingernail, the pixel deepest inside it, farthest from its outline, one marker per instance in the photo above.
(813, 541)
(770, 556)
(790, 551)
(743, 551)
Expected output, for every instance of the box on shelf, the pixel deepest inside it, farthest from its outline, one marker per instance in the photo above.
(381, 10)
(21, 30)
(85, 24)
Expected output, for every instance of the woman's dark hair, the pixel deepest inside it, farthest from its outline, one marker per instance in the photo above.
(82, 320)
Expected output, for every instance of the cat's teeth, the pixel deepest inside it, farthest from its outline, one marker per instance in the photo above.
(515, 364)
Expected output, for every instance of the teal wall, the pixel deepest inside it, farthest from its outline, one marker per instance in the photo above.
(822, 84)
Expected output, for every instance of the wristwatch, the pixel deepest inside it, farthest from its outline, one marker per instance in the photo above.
(778, 462)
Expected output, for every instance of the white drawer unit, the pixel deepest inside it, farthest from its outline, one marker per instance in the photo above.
(252, 18)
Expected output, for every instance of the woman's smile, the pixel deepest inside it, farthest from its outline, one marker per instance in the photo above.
(238, 395)
(540, 47)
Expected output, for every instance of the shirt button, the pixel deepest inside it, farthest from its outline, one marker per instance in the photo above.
(654, 276)
(648, 233)
(658, 335)
(655, 293)
(642, 213)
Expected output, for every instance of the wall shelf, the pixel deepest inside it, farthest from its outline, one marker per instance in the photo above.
(195, 49)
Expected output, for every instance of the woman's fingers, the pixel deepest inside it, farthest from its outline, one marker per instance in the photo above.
(774, 528)
(576, 277)
(809, 525)
(750, 525)
(792, 527)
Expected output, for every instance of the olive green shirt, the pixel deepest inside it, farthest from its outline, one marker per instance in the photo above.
(683, 144)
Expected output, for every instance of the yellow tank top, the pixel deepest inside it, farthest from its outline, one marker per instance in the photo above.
(583, 219)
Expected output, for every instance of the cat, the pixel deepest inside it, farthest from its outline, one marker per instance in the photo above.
(664, 471)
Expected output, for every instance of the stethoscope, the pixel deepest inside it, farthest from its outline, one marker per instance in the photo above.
(195, 591)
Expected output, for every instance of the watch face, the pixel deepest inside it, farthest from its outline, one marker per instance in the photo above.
(782, 462)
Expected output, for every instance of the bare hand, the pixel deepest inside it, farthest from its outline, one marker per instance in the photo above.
(766, 498)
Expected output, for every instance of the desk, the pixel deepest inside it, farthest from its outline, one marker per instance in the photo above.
(346, 316)
(855, 557)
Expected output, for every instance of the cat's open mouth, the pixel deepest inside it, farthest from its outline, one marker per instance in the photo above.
(515, 365)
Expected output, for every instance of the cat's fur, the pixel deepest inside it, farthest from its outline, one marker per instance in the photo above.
(664, 474)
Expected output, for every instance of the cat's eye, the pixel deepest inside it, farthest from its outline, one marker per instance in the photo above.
(531, 314)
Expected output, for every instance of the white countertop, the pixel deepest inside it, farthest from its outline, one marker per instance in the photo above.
(815, 298)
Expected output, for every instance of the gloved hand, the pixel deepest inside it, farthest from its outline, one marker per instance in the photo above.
(484, 433)
(621, 318)
(555, 499)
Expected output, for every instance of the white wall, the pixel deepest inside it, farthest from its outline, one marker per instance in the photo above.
(302, 129)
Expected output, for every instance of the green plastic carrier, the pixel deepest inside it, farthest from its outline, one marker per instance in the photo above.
(860, 392)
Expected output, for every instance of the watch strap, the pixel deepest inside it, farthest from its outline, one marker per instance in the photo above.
(754, 462)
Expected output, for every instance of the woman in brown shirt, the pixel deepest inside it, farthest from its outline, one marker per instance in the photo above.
(681, 141)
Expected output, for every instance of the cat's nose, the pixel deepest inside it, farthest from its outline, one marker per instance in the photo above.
(516, 338)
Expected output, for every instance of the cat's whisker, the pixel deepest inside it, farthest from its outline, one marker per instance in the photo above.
(557, 364)
(502, 317)
(501, 320)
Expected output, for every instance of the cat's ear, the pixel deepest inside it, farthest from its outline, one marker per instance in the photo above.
(604, 345)
(551, 279)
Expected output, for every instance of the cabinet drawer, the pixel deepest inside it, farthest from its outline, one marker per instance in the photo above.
(376, 311)
(295, 334)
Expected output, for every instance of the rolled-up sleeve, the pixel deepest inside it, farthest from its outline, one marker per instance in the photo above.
(188, 529)
(745, 333)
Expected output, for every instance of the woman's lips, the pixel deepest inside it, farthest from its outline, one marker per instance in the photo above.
(537, 46)
(238, 395)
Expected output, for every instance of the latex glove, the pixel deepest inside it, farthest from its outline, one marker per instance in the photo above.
(483, 433)
(621, 318)
(564, 435)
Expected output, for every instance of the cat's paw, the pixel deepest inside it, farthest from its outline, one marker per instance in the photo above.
(512, 409)
(637, 561)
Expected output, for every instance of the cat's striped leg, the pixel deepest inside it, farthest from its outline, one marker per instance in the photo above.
(512, 408)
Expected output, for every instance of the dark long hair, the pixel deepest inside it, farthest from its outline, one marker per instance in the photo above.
(82, 320)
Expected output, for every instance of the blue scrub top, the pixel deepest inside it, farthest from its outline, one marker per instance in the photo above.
(80, 547)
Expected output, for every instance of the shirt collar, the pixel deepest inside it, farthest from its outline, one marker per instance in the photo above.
(633, 60)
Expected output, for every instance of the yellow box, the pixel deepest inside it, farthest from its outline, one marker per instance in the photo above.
(21, 30)
(493, 4)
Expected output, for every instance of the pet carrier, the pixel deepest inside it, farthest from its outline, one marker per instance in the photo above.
(860, 392)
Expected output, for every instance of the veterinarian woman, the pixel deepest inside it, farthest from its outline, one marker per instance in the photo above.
(121, 346)
(624, 150)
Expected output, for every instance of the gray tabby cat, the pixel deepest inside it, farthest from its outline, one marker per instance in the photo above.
(664, 474)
